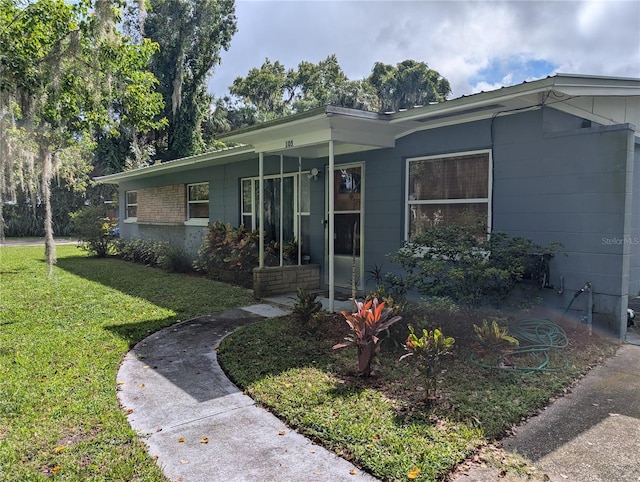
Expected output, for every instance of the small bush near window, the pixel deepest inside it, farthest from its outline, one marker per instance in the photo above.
(463, 263)
(226, 250)
(175, 260)
(94, 228)
(390, 288)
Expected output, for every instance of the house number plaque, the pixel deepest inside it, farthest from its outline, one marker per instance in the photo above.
(288, 143)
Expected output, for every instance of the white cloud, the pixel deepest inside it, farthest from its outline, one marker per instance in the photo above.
(477, 45)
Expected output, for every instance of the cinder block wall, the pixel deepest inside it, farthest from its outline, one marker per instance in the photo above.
(278, 280)
(162, 205)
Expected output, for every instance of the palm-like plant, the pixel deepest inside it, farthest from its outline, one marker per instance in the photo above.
(495, 340)
(366, 324)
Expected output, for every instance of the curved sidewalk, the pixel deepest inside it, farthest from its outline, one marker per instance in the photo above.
(199, 425)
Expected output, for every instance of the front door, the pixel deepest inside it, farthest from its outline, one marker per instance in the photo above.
(348, 218)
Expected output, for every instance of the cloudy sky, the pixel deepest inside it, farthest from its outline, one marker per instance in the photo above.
(477, 45)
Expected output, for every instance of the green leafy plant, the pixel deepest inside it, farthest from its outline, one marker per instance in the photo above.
(390, 288)
(466, 264)
(306, 306)
(366, 325)
(494, 339)
(227, 248)
(290, 251)
(428, 349)
(158, 254)
(94, 228)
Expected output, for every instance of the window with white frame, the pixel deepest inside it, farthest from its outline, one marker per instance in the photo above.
(449, 189)
(131, 202)
(198, 200)
(288, 202)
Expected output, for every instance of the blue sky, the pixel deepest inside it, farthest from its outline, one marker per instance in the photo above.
(477, 45)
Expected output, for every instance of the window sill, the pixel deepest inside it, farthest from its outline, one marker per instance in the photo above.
(197, 222)
(130, 220)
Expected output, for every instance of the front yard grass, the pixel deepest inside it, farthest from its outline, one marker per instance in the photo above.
(62, 339)
(384, 424)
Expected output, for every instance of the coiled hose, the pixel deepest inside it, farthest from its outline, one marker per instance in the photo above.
(536, 337)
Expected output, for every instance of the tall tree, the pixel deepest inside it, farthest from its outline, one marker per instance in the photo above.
(318, 83)
(191, 34)
(408, 84)
(66, 73)
(270, 88)
(272, 91)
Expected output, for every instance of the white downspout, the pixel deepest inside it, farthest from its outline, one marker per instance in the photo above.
(261, 209)
(331, 229)
(281, 231)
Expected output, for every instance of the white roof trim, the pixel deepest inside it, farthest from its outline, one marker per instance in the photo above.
(214, 157)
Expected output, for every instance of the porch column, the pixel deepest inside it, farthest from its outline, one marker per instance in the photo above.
(330, 192)
(261, 209)
(281, 233)
(299, 230)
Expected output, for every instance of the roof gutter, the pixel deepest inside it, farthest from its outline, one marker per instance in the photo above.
(184, 162)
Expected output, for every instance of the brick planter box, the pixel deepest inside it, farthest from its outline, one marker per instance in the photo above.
(277, 280)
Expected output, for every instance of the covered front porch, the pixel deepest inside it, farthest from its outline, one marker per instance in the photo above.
(315, 139)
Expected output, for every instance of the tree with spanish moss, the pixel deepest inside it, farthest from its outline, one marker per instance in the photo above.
(67, 75)
(190, 34)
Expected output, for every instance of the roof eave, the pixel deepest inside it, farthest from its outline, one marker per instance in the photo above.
(158, 169)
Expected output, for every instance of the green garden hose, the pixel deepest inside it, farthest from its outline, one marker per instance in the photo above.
(537, 337)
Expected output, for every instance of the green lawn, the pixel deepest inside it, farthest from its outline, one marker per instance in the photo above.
(62, 339)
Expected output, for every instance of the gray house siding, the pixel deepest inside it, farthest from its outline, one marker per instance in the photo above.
(556, 178)
(224, 201)
(569, 186)
(385, 177)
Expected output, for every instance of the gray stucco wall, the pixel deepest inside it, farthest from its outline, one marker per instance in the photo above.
(634, 268)
(558, 182)
(556, 179)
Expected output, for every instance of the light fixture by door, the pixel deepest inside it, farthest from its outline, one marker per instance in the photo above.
(313, 174)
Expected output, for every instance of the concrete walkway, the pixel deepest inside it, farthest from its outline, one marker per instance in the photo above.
(199, 425)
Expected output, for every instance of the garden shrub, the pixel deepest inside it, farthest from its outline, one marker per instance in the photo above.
(226, 249)
(157, 254)
(390, 288)
(427, 350)
(94, 228)
(366, 325)
(463, 263)
(175, 260)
